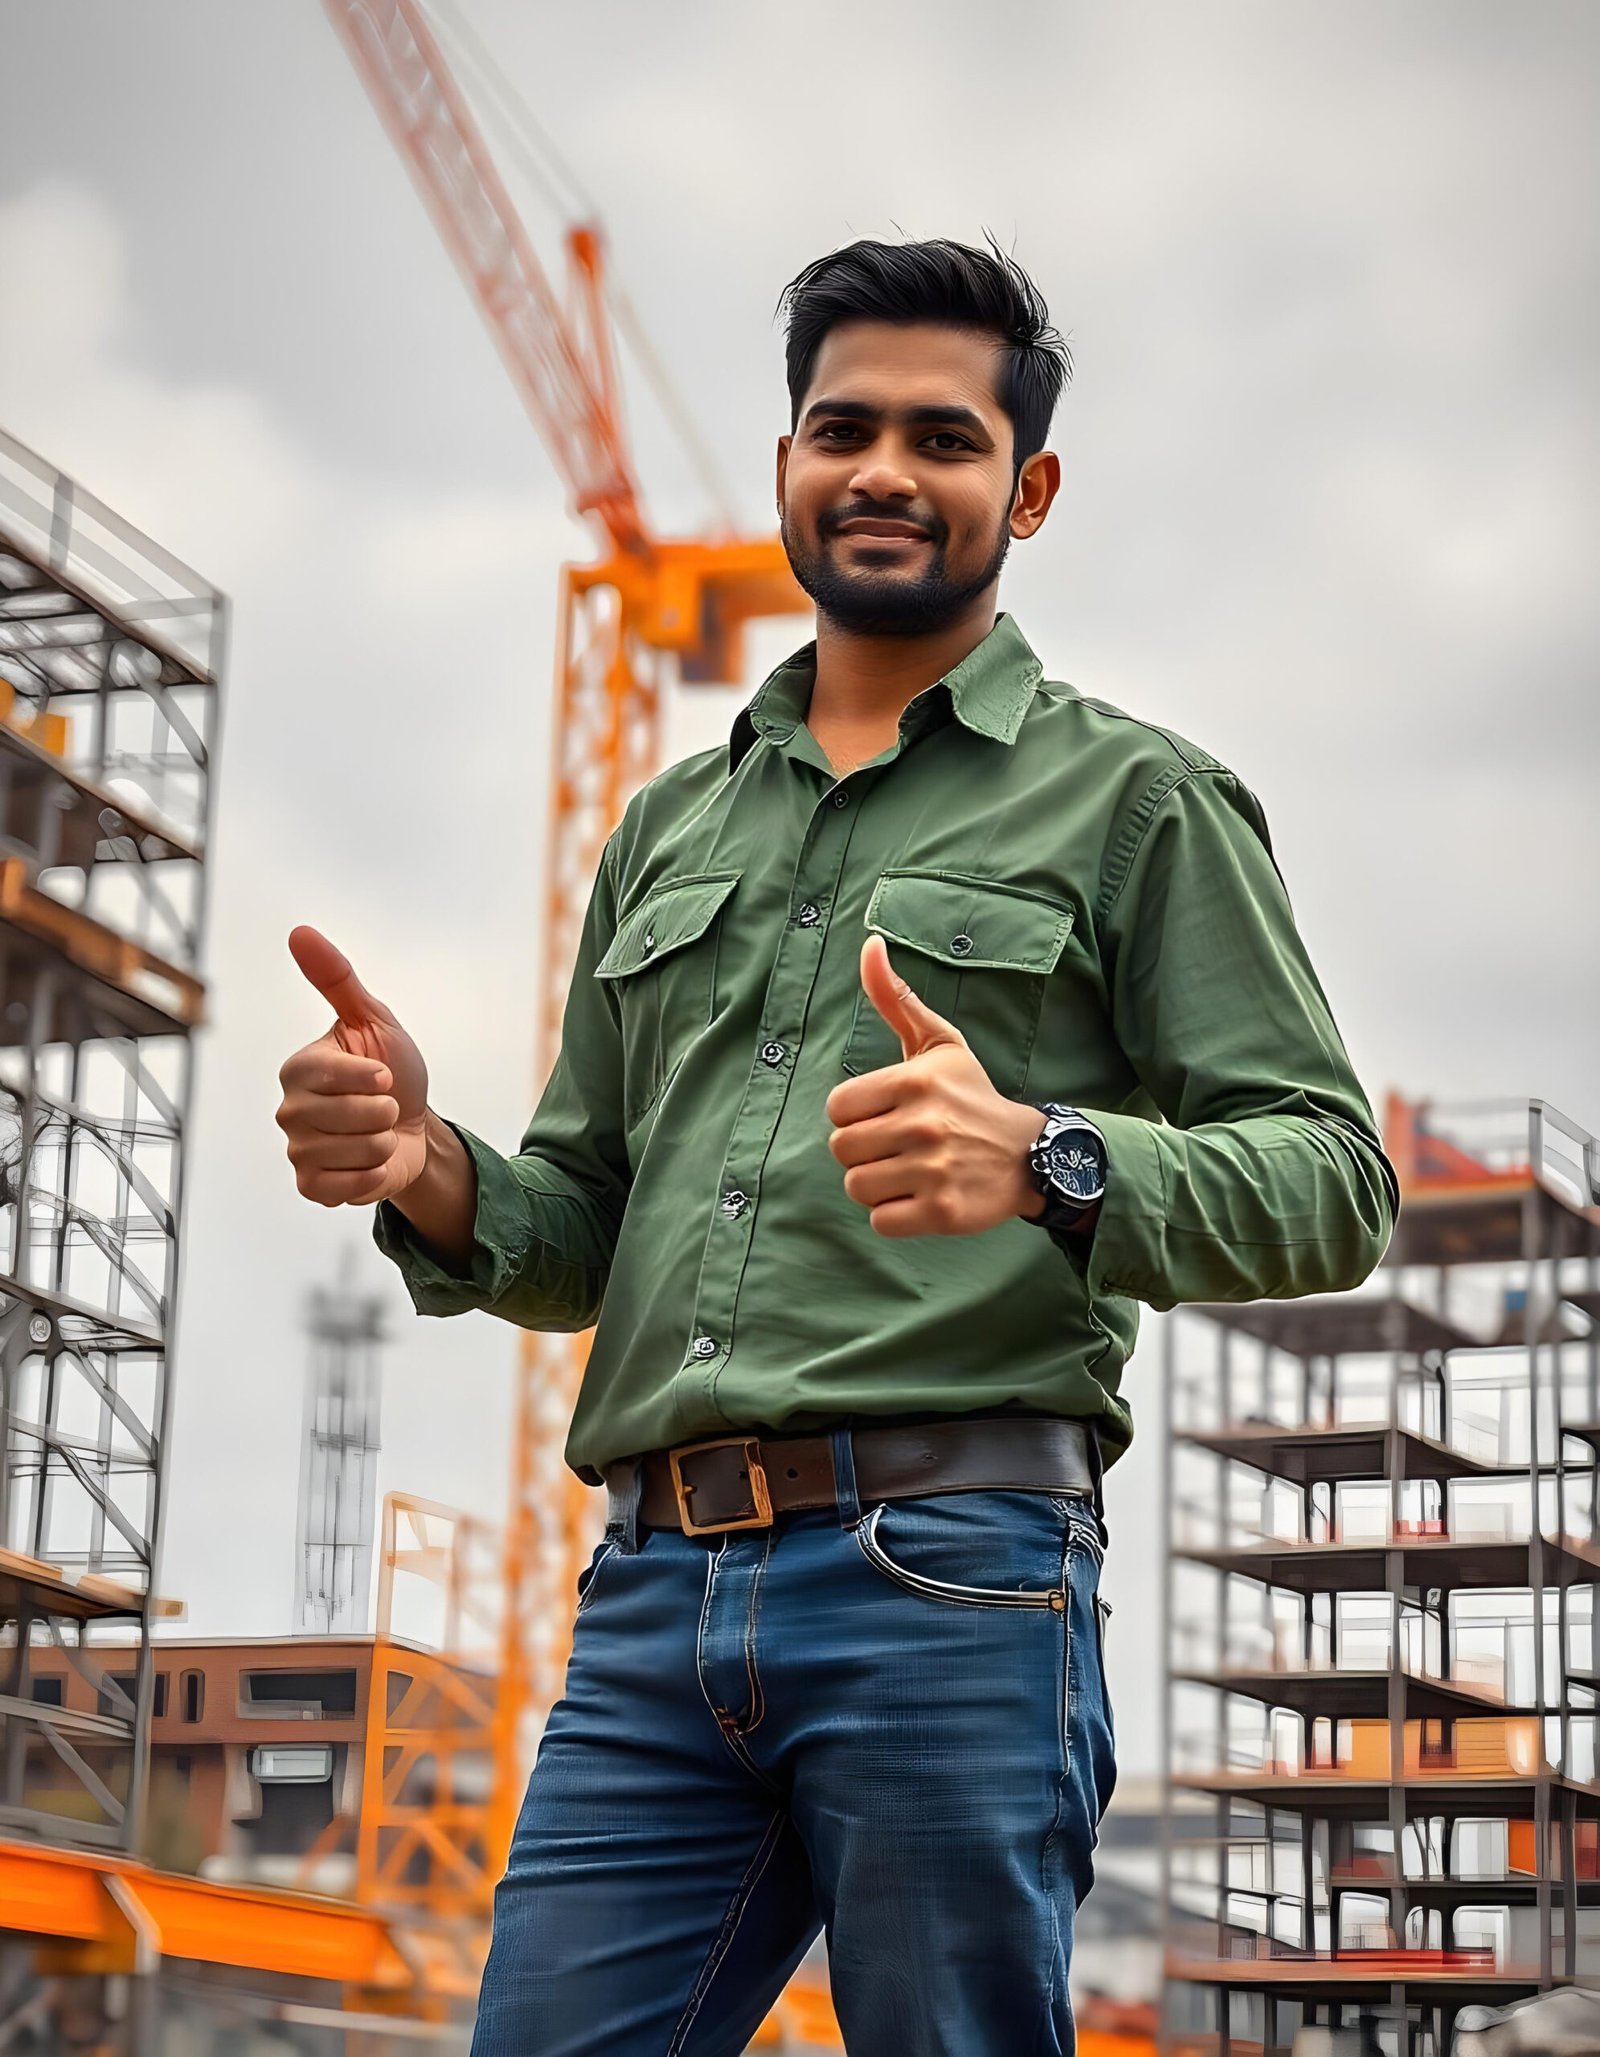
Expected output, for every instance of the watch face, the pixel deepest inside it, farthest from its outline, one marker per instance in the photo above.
(1076, 1166)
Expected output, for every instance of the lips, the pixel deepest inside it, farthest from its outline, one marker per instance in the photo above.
(892, 531)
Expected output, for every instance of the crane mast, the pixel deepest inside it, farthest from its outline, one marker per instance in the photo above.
(650, 609)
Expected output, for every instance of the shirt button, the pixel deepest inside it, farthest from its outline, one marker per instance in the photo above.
(961, 944)
(649, 943)
(735, 1203)
(841, 798)
(704, 1346)
(809, 916)
(772, 1053)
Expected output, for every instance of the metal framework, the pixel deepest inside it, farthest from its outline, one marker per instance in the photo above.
(1382, 1567)
(111, 656)
(339, 1460)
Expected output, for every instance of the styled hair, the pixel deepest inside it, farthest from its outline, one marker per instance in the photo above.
(986, 291)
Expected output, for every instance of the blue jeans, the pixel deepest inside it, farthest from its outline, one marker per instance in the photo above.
(897, 1732)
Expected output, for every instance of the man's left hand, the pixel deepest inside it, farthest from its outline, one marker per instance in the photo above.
(929, 1147)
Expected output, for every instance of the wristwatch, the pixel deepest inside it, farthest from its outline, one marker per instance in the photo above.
(1069, 1166)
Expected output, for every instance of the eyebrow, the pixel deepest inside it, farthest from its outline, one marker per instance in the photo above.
(859, 410)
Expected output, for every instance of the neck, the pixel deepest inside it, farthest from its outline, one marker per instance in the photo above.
(863, 679)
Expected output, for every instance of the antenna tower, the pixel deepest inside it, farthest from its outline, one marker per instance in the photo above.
(339, 1460)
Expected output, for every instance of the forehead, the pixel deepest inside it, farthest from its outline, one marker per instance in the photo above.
(901, 364)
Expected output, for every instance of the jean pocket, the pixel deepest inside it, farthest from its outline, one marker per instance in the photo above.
(930, 1538)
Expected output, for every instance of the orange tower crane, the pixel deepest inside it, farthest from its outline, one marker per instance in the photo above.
(647, 605)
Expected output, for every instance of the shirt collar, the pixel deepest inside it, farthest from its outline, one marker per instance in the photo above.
(990, 691)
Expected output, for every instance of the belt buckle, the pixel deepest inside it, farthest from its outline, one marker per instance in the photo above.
(754, 1471)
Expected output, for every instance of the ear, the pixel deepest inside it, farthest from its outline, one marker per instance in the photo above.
(783, 465)
(1037, 486)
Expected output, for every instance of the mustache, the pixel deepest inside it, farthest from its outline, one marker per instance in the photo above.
(866, 510)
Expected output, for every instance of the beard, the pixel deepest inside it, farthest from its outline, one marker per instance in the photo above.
(867, 603)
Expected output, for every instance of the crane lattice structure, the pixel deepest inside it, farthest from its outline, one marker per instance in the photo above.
(650, 610)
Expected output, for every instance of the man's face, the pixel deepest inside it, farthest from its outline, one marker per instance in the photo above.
(895, 489)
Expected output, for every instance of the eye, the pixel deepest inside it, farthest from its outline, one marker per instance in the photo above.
(836, 428)
(949, 437)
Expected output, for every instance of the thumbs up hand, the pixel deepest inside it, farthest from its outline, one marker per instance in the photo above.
(355, 1101)
(930, 1148)
(910, 1016)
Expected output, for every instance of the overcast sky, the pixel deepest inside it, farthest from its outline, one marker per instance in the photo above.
(1329, 508)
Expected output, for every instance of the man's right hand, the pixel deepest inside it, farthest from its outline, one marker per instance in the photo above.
(355, 1102)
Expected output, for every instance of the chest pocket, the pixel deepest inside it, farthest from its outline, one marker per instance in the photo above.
(977, 952)
(663, 966)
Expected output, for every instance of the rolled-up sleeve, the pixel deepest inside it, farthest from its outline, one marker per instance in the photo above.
(548, 1218)
(1264, 1177)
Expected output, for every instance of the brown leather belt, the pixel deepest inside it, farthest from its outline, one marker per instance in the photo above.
(739, 1482)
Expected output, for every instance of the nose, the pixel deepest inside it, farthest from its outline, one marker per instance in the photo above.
(881, 480)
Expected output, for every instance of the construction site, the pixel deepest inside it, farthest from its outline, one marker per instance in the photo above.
(288, 1844)
(1379, 1802)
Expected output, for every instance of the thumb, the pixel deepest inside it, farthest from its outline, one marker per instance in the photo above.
(911, 1018)
(329, 970)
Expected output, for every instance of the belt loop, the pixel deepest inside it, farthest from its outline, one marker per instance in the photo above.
(1097, 1474)
(844, 1478)
(625, 1482)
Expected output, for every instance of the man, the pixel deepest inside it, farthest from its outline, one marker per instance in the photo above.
(914, 1037)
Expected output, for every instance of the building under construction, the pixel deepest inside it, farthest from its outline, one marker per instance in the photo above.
(111, 659)
(1383, 1557)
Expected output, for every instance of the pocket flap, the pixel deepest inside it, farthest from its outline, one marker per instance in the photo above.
(666, 919)
(969, 921)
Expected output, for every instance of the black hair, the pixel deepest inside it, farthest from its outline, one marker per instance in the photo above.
(935, 281)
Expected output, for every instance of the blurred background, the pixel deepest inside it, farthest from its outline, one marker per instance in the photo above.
(1329, 508)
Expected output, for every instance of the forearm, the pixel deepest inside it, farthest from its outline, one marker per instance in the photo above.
(1250, 1166)
(441, 1203)
(1270, 1206)
(529, 1237)
(534, 1249)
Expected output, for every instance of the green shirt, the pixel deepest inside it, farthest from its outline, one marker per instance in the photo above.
(1091, 900)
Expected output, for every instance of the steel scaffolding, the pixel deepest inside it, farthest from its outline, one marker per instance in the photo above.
(1382, 1559)
(111, 656)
